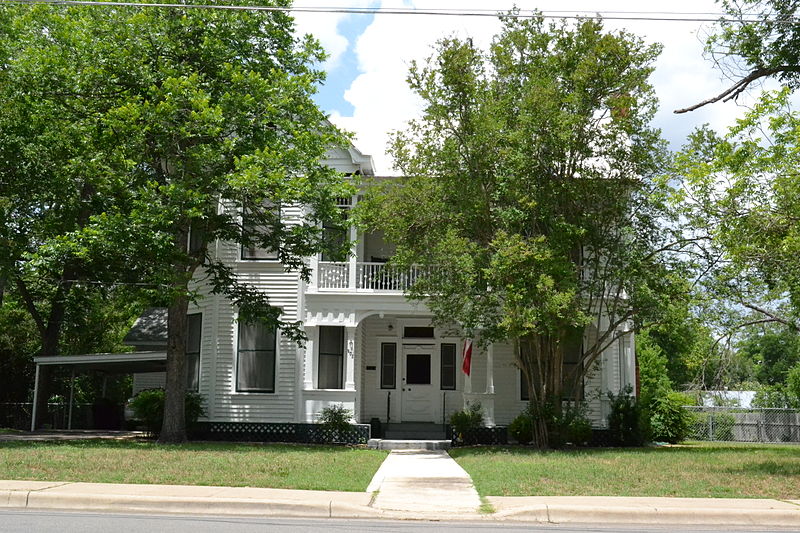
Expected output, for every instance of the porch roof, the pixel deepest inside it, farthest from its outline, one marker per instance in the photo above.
(119, 363)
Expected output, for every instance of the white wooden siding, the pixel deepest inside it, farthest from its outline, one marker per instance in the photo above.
(148, 380)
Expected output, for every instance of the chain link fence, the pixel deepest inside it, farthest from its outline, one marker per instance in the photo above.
(18, 416)
(740, 424)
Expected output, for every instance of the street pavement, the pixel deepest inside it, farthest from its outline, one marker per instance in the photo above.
(411, 484)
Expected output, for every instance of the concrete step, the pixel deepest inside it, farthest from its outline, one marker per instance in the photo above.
(414, 431)
(405, 444)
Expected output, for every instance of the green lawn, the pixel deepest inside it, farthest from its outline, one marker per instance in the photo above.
(698, 470)
(240, 465)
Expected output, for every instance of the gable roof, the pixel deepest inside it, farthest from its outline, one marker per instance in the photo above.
(150, 329)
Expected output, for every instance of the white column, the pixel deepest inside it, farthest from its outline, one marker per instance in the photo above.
(35, 398)
(314, 280)
(350, 358)
(71, 397)
(490, 369)
(312, 332)
(351, 280)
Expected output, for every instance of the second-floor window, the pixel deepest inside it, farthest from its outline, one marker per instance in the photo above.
(334, 234)
(254, 225)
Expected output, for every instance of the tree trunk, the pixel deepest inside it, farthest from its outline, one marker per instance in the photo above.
(173, 430)
(540, 357)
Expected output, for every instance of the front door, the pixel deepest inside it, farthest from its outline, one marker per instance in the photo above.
(417, 384)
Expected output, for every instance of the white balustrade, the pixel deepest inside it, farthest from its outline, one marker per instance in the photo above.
(369, 276)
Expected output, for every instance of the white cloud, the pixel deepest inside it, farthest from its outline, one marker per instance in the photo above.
(382, 101)
(325, 27)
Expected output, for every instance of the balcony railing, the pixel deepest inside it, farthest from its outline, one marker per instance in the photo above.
(368, 276)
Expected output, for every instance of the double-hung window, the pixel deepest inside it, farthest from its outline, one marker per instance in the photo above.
(388, 365)
(331, 357)
(194, 329)
(255, 370)
(257, 224)
(448, 366)
(570, 368)
(335, 234)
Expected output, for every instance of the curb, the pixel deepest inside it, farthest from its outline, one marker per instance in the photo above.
(183, 505)
(651, 515)
(788, 516)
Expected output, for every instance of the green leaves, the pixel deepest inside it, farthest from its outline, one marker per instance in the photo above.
(531, 193)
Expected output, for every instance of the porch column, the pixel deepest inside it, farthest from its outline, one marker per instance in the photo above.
(350, 358)
(71, 397)
(314, 280)
(34, 413)
(312, 333)
(351, 279)
(490, 369)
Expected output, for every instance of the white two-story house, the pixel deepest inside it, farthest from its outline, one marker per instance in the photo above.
(369, 348)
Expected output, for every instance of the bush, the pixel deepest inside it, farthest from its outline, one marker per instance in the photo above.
(335, 418)
(521, 428)
(628, 423)
(669, 420)
(572, 427)
(467, 420)
(148, 406)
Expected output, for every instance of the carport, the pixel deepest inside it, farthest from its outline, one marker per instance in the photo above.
(108, 363)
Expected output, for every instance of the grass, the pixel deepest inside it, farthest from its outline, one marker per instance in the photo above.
(698, 470)
(238, 465)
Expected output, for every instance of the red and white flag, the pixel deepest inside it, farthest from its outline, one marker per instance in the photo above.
(467, 356)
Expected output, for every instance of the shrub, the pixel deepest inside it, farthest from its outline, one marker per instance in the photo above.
(669, 420)
(521, 428)
(335, 418)
(467, 420)
(628, 423)
(572, 427)
(148, 406)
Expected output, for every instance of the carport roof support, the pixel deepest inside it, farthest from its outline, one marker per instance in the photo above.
(117, 363)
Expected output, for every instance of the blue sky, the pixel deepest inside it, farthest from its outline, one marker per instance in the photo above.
(331, 95)
(366, 92)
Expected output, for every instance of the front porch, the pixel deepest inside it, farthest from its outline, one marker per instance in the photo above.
(392, 369)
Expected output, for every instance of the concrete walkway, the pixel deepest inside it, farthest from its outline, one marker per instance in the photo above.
(424, 482)
(245, 501)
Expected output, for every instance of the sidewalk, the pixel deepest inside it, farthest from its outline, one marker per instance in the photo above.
(242, 501)
(410, 484)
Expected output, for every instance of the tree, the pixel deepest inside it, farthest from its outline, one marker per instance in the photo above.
(741, 189)
(758, 39)
(773, 350)
(200, 126)
(530, 195)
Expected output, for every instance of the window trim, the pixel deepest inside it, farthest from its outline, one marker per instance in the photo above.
(341, 355)
(442, 367)
(382, 366)
(276, 348)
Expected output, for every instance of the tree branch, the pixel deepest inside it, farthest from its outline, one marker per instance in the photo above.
(740, 86)
(772, 316)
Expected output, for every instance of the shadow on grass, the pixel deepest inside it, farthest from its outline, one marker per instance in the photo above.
(189, 447)
(704, 449)
(770, 468)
